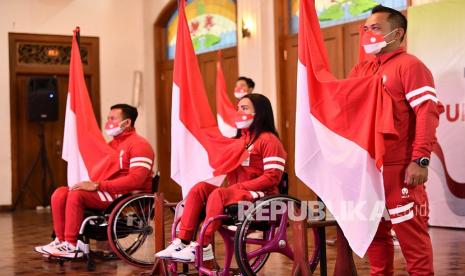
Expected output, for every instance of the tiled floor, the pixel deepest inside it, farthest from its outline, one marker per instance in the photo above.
(22, 230)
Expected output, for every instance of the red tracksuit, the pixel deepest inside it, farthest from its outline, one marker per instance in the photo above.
(258, 176)
(136, 162)
(416, 117)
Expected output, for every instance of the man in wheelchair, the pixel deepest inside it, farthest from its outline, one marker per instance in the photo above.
(136, 158)
(257, 176)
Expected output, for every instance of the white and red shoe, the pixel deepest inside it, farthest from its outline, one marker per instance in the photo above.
(43, 249)
(64, 250)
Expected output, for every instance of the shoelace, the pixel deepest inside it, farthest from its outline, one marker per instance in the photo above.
(65, 247)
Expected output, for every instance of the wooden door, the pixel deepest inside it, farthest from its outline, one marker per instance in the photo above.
(351, 45)
(31, 192)
(341, 43)
(207, 65)
(333, 39)
(334, 43)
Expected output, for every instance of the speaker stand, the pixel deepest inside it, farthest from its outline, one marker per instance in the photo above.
(45, 169)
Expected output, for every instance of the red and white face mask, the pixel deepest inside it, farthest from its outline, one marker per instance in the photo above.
(374, 43)
(239, 92)
(243, 120)
(113, 129)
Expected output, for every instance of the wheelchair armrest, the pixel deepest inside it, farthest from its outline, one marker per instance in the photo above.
(232, 211)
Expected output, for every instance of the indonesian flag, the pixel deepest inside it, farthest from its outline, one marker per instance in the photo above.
(340, 130)
(89, 157)
(225, 110)
(199, 152)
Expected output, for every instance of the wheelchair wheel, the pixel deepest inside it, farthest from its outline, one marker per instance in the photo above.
(256, 239)
(131, 230)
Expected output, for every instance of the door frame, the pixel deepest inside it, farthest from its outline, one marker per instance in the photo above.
(170, 188)
(17, 68)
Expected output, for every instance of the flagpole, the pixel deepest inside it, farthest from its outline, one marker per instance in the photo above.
(78, 36)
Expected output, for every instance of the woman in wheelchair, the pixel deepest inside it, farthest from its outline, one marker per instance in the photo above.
(257, 176)
(68, 204)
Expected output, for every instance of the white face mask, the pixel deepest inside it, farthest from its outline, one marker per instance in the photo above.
(239, 92)
(374, 43)
(239, 95)
(243, 125)
(112, 130)
(243, 120)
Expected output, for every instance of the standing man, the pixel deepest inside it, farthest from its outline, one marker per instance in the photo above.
(244, 86)
(415, 106)
(136, 158)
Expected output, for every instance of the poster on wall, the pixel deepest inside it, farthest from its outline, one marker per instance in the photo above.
(435, 35)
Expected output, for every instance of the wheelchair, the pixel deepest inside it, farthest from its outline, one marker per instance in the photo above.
(127, 225)
(252, 240)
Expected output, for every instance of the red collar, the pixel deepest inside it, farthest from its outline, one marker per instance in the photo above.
(383, 58)
(125, 134)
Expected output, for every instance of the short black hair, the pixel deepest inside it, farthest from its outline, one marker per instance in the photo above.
(395, 18)
(129, 112)
(249, 81)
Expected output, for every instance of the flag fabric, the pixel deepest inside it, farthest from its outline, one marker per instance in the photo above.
(340, 127)
(89, 157)
(199, 152)
(225, 110)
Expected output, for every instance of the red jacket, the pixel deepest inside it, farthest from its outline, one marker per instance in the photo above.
(415, 105)
(136, 158)
(263, 170)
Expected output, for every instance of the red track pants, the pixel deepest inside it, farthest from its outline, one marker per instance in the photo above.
(68, 210)
(408, 210)
(214, 199)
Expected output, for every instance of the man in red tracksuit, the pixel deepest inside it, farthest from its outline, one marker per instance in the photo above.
(136, 159)
(259, 175)
(244, 86)
(415, 107)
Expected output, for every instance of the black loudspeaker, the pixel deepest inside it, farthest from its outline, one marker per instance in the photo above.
(42, 99)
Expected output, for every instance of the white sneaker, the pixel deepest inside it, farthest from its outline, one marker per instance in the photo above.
(175, 246)
(43, 249)
(65, 250)
(188, 254)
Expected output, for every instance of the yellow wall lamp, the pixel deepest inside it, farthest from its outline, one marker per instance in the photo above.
(246, 26)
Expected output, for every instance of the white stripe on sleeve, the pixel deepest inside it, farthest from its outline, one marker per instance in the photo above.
(273, 166)
(143, 159)
(418, 91)
(274, 158)
(140, 164)
(423, 99)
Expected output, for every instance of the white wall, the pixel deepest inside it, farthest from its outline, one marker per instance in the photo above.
(256, 54)
(152, 9)
(421, 2)
(118, 24)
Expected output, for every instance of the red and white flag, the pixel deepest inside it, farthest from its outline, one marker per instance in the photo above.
(340, 130)
(225, 110)
(199, 152)
(89, 157)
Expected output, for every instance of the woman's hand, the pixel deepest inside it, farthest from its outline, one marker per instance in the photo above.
(86, 186)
